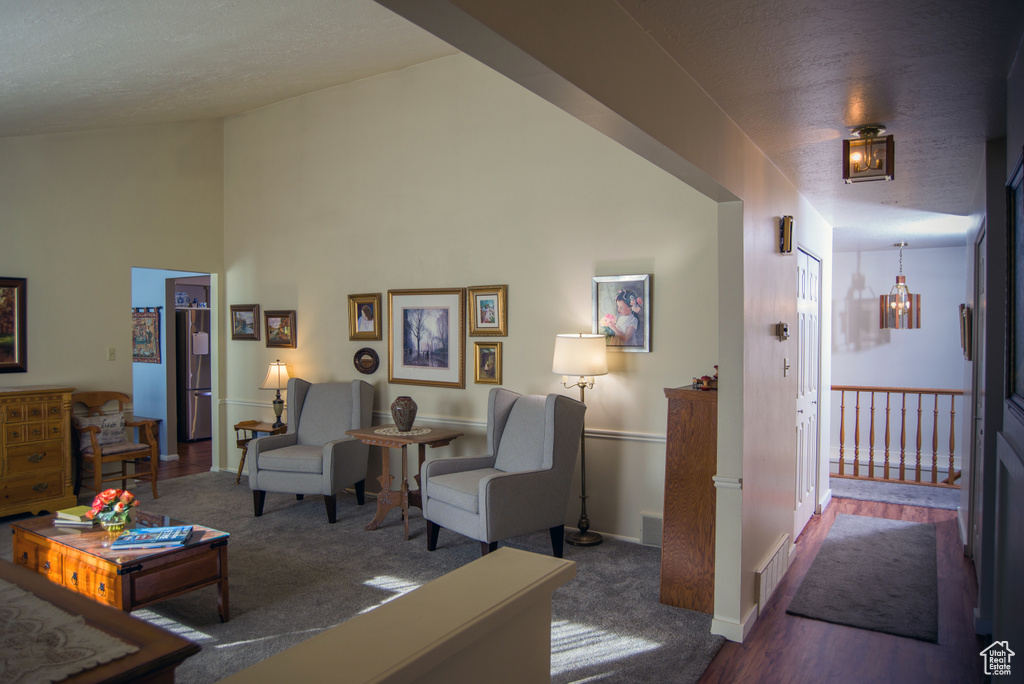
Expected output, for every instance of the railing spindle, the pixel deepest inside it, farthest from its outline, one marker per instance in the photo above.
(856, 440)
(935, 442)
(950, 474)
(871, 439)
(917, 466)
(903, 440)
(842, 431)
(888, 396)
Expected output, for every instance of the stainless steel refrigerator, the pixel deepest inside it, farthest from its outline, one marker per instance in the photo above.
(193, 356)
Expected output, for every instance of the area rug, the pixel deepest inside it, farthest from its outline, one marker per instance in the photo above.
(891, 492)
(293, 575)
(874, 574)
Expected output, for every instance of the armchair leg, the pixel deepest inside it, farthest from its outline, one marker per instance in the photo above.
(257, 502)
(432, 531)
(331, 502)
(557, 540)
(299, 497)
(360, 492)
(486, 548)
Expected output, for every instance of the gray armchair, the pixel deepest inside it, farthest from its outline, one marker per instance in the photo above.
(315, 456)
(521, 485)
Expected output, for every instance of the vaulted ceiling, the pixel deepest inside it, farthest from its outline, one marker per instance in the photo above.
(795, 76)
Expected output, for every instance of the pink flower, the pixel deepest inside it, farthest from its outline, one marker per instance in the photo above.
(608, 319)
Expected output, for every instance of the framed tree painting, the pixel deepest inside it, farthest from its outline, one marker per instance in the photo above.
(280, 328)
(622, 311)
(426, 337)
(13, 350)
(146, 335)
(488, 314)
(245, 321)
(364, 317)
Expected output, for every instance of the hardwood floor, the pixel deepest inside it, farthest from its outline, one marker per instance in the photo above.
(193, 457)
(787, 648)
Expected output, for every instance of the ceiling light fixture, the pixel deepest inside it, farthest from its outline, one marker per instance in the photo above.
(868, 157)
(899, 309)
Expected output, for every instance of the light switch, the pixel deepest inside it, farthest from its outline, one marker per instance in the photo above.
(111, 353)
(785, 367)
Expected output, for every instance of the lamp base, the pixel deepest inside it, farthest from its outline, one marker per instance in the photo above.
(587, 538)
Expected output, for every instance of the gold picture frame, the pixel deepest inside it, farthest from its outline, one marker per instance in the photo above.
(427, 337)
(13, 311)
(280, 328)
(488, 310)
(364, 316)
(487, 363)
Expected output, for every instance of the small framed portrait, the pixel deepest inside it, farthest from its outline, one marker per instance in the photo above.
(245, 321)
(622, 311)
(364, 317)
(488, 314)
(426, 337)
(487, 363)
(13, 350)
(280, 328)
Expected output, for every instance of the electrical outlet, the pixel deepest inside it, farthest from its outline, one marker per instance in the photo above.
(111, 353)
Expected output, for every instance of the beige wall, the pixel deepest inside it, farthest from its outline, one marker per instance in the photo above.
(593, 60)
(78, 211)
(449, 175)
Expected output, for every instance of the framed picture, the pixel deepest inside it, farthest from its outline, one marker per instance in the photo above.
(280, 327)
(245, 321)
(146, 335)
(966, 330)
(364, 317)
(1015, 272)
(426, 337)
(13, 350)
(488, 314)
(622, 311)
(487, 363)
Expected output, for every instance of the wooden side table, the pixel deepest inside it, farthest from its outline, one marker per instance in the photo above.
(245, 432)
(388, 437)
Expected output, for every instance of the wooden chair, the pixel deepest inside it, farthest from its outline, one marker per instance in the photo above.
(103, 438)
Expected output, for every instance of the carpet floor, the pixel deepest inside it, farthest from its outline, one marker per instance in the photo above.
(891, 492)
(293, 575)
(874, 574)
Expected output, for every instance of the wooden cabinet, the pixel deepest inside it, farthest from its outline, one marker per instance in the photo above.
(35, 450)
(688, 535)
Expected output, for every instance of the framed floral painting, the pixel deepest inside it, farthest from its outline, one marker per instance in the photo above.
(488, 314)
(13, 350)
(280, 328)
(622, 311)
(426, 337)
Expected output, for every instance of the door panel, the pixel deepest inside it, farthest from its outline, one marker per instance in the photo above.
(808, 305)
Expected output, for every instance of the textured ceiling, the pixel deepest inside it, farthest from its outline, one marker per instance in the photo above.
(795, 75)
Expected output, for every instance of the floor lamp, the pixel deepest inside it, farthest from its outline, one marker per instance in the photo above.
(582, 356)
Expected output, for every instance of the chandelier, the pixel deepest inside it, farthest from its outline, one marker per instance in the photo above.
(899, 309)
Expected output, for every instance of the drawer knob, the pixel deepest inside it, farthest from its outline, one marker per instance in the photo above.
(46, 566)
(24, 557)
(74, 578)
(103, 589)
(15, 434)
(36, 458)
(41, 487)
(35, 412)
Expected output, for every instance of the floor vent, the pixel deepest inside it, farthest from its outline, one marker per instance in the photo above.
(769, 575)
(650, 529)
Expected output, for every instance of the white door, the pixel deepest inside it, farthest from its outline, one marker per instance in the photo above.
(975, 490)
(808, 311)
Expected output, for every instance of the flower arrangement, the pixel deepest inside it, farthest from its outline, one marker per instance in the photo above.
(111, 506)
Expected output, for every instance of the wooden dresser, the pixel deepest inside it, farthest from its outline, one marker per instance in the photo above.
(35, 450)
(688, 536)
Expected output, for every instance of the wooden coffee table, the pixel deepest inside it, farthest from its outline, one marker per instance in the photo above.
(388, 437)
(82, 561)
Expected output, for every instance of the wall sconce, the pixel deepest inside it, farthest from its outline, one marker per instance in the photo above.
(786, 235)
(868, 157)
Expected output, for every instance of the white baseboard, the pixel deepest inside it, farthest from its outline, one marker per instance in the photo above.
(169, 457)
(735, 631)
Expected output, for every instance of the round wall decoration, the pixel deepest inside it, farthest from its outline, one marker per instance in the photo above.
(366, 361)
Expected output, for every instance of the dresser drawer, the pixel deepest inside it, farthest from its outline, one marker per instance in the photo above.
(14, 413)
(41, 559)
(54, 410)
(32, 487)
(27, 458)
(87, 579)
(35, 410)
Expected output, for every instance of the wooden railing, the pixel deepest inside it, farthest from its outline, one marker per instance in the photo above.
(895, 398)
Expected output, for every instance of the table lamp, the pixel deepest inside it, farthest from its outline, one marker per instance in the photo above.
(581, 356)
(277, 377)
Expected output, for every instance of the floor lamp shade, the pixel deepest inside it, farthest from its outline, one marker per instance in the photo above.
(580, 355)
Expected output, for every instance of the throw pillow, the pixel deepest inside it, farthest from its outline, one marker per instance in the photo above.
(112, 429)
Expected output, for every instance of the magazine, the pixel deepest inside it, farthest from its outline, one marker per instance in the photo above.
(153, 537)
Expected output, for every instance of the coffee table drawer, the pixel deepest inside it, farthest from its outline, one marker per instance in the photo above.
(162, 581)
(37, 558)
(87, 579)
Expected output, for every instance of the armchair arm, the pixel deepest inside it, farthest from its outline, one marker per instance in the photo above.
(456, 464)
(145, 427)
(270, 442)
(345, 462)
(94, 432)
(516, 503)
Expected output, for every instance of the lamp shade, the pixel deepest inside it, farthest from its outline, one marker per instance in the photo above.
(580, 354)
(277, 376)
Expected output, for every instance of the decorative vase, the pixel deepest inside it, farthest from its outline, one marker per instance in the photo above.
(114, 526)
(403, 410)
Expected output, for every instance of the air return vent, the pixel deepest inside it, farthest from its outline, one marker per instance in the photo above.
(770, 573)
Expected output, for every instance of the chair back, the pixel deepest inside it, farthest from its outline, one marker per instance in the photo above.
(325, 410)
(522, 441)
(536, 432)
(95, 401)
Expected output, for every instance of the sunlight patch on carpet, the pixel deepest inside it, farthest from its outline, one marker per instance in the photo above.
(574, 645)
(397, 585)
(171, 626)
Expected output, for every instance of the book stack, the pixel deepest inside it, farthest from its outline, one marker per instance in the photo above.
(152, 538)
(74, 517)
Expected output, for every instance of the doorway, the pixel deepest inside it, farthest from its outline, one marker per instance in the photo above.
(808, 330)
